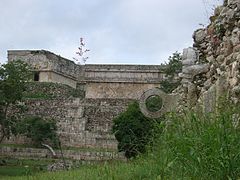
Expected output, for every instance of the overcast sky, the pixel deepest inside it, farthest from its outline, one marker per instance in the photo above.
(116, 31)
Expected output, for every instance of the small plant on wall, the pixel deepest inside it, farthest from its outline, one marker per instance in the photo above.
(81, 53)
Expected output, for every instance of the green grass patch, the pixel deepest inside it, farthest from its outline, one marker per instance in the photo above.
(38, 95)
(22, 167)
(15, 170)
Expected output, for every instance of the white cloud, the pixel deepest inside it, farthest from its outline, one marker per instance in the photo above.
(123, 31)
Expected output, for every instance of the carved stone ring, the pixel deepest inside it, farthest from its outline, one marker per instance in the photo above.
(169, 102)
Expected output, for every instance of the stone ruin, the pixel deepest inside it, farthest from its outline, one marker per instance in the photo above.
(211, 69)
(84, 122)
(169, 102)
(98, 80)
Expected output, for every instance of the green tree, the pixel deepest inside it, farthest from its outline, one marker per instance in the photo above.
(173, 67)
(40, 130)
(133, 131)
(13, 76)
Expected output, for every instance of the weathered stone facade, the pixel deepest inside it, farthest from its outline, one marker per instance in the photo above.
(99, 81)
(51, 68)
(121, 81)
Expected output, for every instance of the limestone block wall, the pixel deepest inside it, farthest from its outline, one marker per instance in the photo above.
(81, 122)
(51, 76)
(124, 73)
(117, 90)
(99, 113)
(121, 81)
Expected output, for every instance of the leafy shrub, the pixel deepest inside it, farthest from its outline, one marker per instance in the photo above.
(39, 130)
(133, 131)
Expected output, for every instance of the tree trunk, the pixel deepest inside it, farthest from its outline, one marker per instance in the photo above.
(2, 125)
(2, 136)
(63, 159)
(50, 149)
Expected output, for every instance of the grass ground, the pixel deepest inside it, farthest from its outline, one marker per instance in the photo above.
(119, 170)
(21, 167)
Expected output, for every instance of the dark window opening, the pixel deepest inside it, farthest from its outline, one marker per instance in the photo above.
(36, 76)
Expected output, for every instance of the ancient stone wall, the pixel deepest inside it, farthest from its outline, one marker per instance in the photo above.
(99, 81)
(124, 73)
(69, 154)
(49, 90)
(52, 68)
(211, 68)
(43, 60)
(117, 90)
(50, 76)
(80, 122)
(121, 81)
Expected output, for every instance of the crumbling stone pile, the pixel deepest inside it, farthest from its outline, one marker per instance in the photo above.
(58, 166)
(212, 66)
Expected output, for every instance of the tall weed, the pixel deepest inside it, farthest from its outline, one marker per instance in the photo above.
(202, 146)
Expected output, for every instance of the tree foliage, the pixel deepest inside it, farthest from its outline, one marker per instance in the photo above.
(39, 130)
(168, 86)
(13, 76)
(173, 67)
(133, 131)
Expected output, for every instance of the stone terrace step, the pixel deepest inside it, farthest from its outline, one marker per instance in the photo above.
(91, 155)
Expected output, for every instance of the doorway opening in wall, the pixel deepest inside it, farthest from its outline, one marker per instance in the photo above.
(36, 76)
